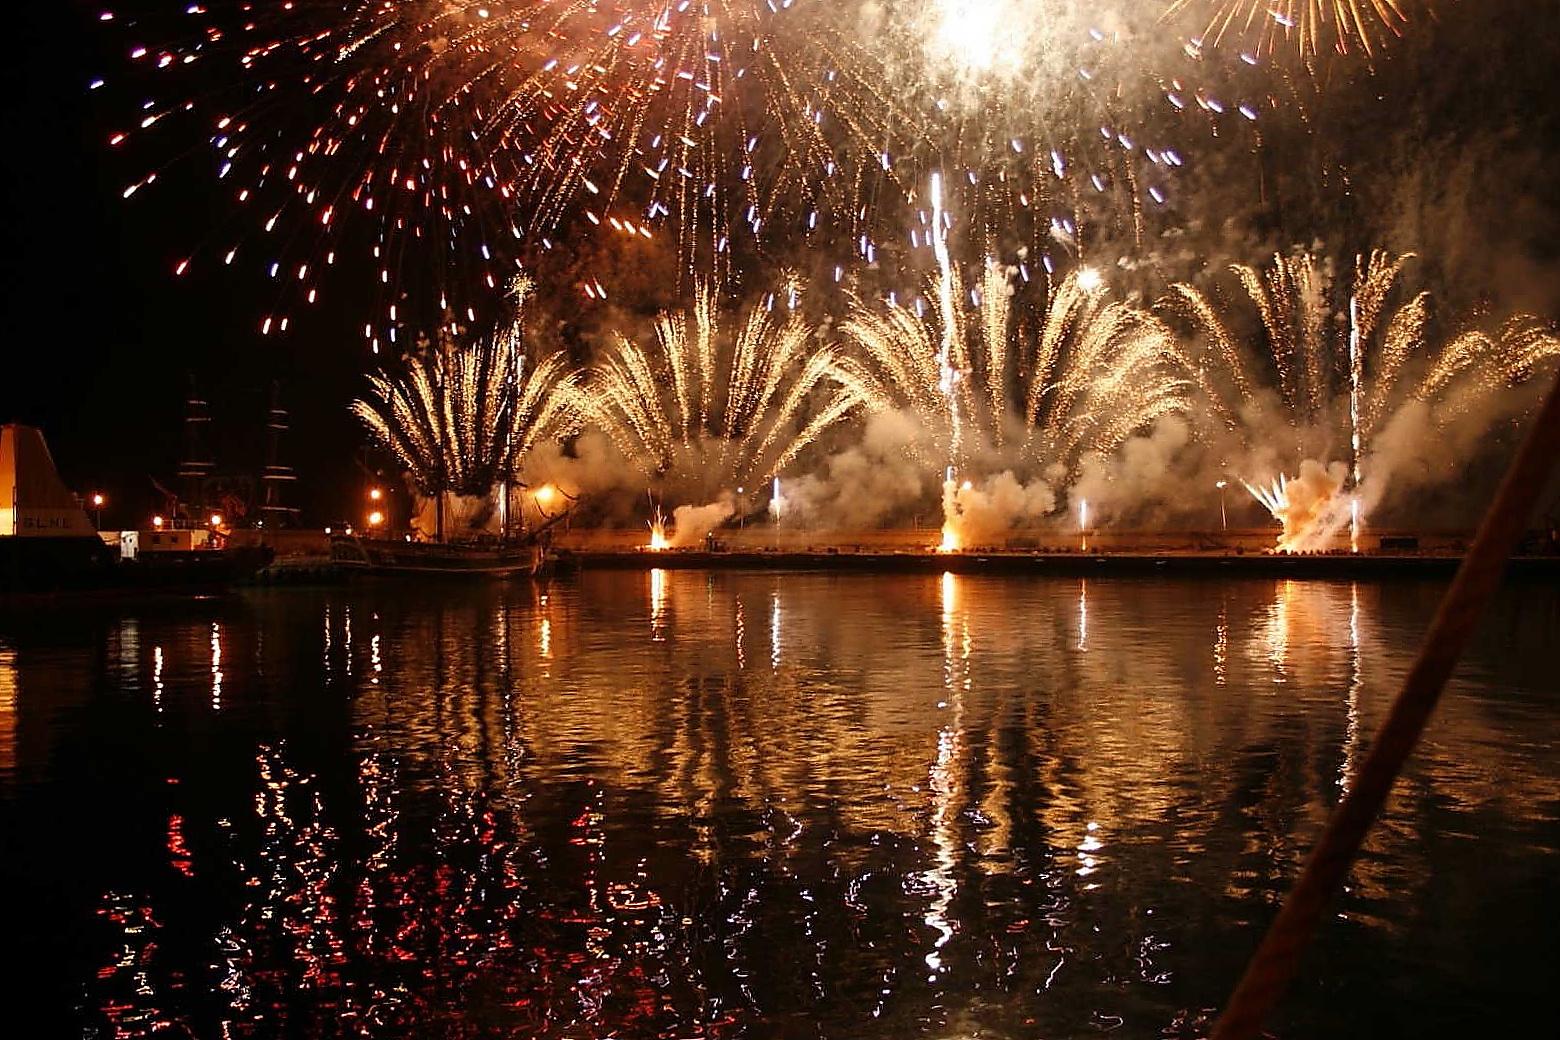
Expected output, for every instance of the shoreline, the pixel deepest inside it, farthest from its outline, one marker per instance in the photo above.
(1070, 564)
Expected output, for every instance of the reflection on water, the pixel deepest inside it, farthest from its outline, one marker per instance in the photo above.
(950, 806)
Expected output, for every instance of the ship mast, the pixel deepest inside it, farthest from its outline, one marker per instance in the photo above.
(275, 477)
(197, 467)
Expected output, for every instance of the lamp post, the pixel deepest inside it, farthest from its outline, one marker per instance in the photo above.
(1224, 520)
(97, 509)
(376, 513)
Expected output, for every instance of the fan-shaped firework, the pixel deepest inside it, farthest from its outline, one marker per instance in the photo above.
(1308, 26)
(1340, 368)
(711, 409)
(1092, 374)
(461, 419)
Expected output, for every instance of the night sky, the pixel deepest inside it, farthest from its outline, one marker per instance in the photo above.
(1448, 148)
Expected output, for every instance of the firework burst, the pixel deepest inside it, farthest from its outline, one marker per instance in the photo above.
(709, 409)
(1092, 373)
(1058, 121)
(1306, 26)
(436, 144)
(462, 418)
(1342, 364)
(452, 136)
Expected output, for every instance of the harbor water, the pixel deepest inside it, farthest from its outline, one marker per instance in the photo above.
(643, 804)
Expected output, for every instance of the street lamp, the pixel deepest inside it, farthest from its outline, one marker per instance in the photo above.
(375, 518)
(97, 509)
(1224, 520)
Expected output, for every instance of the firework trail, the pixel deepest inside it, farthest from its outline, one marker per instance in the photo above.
(709, 409)
(1338, 373)
(1307, 27)
(462, 418)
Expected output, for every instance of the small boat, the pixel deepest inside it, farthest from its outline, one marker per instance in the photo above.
(386, 556)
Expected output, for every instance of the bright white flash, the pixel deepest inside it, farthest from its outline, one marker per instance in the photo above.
(978, 35)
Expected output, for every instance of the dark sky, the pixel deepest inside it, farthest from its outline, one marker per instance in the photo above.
(1450, 147)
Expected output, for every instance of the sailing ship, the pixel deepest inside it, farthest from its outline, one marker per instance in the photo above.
(495, 556)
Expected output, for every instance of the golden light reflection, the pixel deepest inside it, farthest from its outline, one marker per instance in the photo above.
(7, 711)
(157, 679)
(1221, 644)
(1275, 631)
(657, 604)
(1083, 613)
(216, 667)
(774, 632)
(346, 639)
(945, 780)
(129, 647)
(740, 635)
(1088, 862)
(1351, 739)
(583, 840)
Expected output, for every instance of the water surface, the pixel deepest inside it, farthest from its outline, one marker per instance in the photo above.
(685, 804)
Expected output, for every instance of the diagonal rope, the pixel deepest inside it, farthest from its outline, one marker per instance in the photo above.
(1274, 962)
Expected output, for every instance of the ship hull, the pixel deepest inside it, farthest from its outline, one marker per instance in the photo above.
(30, 566)
(435, 559)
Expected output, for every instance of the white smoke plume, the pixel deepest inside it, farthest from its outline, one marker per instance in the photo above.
(865, 484)
(1312, 507)
(1150, 479)
(690, 524)
(985, 513)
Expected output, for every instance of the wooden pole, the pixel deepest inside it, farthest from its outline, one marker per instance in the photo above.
(1274, 963)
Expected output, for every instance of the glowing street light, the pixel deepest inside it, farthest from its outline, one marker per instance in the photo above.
(97, 509)
(375, 494)
(375, 518)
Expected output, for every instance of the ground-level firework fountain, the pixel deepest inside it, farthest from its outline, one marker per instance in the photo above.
(1010, 415)
(1313, 507)
(1401, 412)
